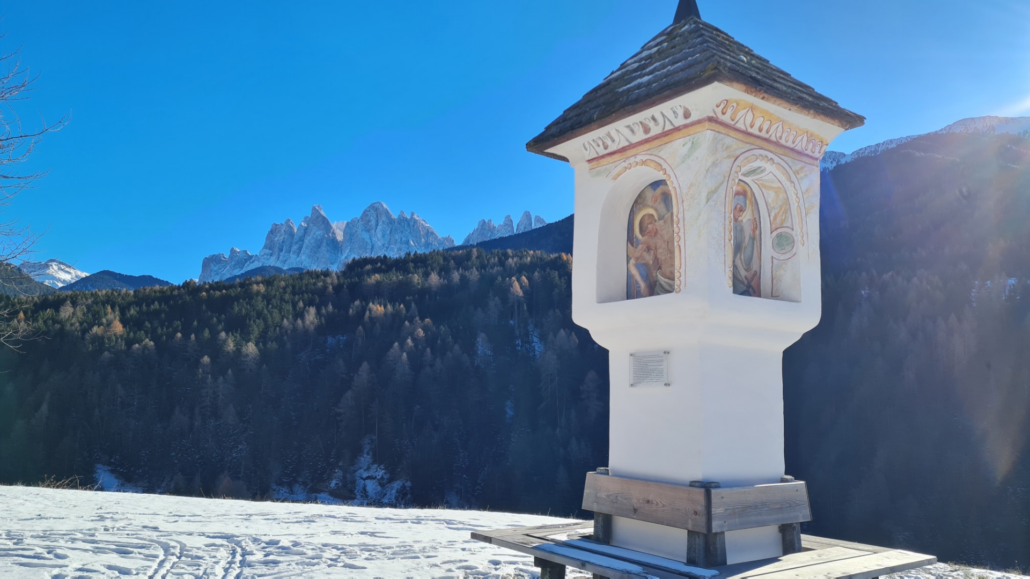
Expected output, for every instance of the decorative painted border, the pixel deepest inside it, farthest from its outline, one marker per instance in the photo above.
(640, 129)
(755, 120)
(739, 114)
(659, 165)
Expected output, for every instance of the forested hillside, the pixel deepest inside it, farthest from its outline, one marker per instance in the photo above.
(907, 407)
(441, 378)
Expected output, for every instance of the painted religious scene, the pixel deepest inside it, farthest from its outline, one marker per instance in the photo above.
(764, 210)
(651, 247)
(746, 240)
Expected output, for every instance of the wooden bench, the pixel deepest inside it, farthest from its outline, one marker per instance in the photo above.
(707, 511)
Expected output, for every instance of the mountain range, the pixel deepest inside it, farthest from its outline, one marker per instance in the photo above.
(318, 243)
(32, 278)
(486, 230)
(989, 125)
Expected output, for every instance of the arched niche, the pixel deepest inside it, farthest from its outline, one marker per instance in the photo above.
(630, 258)
(765, 227)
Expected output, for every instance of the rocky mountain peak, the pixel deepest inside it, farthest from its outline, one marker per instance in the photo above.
(52, 272)
(486, 230)
(525, 222)
(321, 244)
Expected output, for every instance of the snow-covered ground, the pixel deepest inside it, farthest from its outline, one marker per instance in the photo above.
(63, 533)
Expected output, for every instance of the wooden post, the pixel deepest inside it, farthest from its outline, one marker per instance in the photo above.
(791, 535)
(791, 532)
(602, 524)
(549, 569)
(706, 549)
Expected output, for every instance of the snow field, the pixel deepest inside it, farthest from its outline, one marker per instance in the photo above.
(66, 534)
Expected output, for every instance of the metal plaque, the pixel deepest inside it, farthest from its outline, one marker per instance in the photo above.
(648, 369)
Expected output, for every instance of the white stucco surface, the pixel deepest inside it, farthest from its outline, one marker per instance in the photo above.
(721, 419)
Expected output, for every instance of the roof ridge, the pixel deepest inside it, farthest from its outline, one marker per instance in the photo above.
(685, 55)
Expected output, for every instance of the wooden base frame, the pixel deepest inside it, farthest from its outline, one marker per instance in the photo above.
(573, 545)
(707, 511)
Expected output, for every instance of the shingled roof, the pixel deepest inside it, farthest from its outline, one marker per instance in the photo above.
(684, 57)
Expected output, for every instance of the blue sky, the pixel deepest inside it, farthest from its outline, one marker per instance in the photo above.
(195, 125)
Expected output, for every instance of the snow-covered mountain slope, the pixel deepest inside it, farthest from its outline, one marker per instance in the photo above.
(65, 533)
(975, 125)
(486, 230)
(50, 533)
(318, 243)
(52, 272)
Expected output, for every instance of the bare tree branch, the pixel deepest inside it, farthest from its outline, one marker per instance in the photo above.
(16, 145)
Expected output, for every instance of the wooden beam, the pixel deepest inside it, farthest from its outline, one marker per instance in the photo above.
(739, 508)
(670, 505)
(700, 509)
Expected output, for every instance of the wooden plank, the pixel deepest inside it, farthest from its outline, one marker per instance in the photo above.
(565, 535)
(787, 562)
(527, 541)
(739, 508)
(572, 557)
(645, 560)
(676, 506)
(864, 567)
(811, 542)
(540, 530)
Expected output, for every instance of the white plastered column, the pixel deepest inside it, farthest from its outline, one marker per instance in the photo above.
(722, 417)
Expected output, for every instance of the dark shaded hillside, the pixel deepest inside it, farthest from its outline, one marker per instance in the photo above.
(907, 407)
(15, 282)
(553, 238)
(110, 280)
(263, 271)
(443, 378)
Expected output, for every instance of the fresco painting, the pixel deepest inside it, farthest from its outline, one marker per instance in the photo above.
(746, 240)
(651, 248)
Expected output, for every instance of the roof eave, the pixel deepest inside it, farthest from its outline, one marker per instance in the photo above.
(845, 119)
